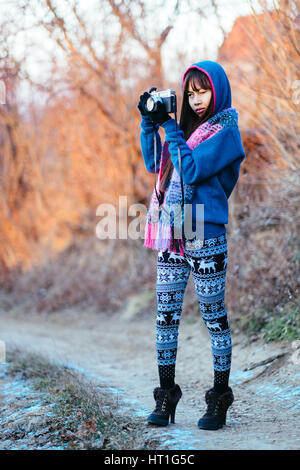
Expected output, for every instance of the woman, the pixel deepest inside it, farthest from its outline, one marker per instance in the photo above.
(198, 166)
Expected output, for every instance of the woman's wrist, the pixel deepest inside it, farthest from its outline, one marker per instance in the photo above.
(169, 125)
(148, 124)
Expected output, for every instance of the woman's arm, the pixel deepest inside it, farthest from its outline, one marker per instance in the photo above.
(209, 157)
(147, 144)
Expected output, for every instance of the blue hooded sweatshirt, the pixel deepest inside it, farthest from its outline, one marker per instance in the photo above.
(212, 170)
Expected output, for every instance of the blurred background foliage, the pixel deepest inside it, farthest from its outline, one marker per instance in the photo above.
(69, 141)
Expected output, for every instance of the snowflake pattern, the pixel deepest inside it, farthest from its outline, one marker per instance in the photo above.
(178, 296)
(164, 298)
(172, 278)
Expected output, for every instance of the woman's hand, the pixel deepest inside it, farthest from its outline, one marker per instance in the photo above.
(142, 104)
(160, 116)
(157, 117)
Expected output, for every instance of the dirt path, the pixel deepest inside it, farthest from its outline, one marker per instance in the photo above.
(121, 352)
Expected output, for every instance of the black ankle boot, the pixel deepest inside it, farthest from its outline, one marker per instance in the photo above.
(217, 406)
(166, 402)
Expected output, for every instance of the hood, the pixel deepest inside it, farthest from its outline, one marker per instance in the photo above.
(219, 82)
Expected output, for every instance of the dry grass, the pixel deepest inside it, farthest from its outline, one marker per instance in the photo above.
(264, 244)
(90, 274)
(84, 414)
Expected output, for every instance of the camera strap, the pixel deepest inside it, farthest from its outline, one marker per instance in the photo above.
(159, 196)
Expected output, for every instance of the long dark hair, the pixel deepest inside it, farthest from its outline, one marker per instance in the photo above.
(189, 120)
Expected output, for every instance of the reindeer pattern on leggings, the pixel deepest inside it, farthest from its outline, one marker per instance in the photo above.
(208, 265)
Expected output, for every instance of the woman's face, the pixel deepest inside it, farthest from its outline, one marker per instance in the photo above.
(199, 100)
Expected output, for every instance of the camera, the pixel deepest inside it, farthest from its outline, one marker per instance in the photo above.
(168, 97)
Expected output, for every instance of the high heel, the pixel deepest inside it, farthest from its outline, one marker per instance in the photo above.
(217, 407)
(166, 403)
(223, 418)
(172, 415)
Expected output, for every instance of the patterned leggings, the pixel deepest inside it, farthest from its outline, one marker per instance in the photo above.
(208, 261)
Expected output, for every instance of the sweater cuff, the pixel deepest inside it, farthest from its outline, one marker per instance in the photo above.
(147, 124)
(169, 126)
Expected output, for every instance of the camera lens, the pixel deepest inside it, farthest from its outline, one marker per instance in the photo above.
(150, 104)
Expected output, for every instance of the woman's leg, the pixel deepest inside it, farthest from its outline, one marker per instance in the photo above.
(172, 276)
(209, 272)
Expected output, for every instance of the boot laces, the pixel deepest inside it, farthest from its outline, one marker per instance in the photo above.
(211, 407)
(162, 403)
